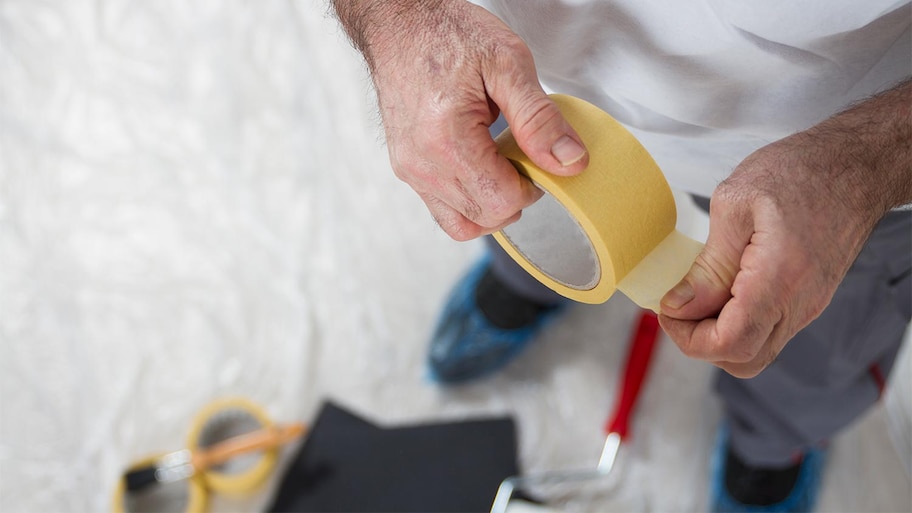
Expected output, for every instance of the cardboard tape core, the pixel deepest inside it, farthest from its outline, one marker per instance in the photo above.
(551, 239)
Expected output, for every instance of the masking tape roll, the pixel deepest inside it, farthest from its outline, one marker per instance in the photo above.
(226, 411)
(216, 421)
(194, 498)
(610, 227)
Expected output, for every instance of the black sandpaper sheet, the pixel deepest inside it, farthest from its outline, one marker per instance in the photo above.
(349, 464)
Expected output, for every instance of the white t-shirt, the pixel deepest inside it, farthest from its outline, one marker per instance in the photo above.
(703, 83)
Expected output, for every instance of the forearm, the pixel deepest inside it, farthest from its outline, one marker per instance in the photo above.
(874, 143)
(373, 23)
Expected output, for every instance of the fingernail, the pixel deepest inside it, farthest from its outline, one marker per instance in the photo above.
(679, 296)
(567, 151)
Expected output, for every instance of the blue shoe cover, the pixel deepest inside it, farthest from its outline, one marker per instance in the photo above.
(802, 498)
(465, 345)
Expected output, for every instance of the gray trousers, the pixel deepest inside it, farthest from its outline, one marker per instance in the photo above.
(829, 373)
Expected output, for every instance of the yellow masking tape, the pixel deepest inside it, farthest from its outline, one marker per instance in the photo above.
(224, 411)
(234, 483)
(620, 208)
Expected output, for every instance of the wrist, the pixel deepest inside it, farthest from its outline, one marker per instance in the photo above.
(374, 25)
(872, 146)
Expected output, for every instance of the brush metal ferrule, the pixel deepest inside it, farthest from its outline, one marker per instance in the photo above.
(174, 467)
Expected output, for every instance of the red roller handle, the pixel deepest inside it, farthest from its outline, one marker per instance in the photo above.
(638, 358)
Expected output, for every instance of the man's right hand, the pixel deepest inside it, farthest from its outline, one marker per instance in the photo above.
(443, 71)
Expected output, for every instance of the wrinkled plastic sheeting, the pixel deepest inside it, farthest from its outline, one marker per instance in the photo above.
(195, 202)
(159, 175)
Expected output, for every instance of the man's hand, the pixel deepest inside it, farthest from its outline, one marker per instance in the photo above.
(784, 229)
(443, 71)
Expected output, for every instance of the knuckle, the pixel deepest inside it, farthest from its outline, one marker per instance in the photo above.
(451, 222)
(686, 342)
(740, 344)
(494, 199)
(398, 162)
(407, 165)
(715, 269)
(768, 360)
(509, 51)
(741, 371)
(487, 186)
(741, 349)
(690, 350)
(465, 204)
(691, 347)
(534, 114)
(499, 211)
(462, 230)
(472, 210)
(498, 206)
(404, 172)
(815, 307)
(463, 235)
(740, 353)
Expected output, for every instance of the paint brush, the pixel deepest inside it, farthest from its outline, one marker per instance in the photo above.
(182, 464)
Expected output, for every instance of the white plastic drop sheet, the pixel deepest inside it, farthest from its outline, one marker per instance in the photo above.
(195, 202)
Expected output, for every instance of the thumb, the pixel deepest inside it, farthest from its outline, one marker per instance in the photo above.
(706, 288)
(536, 122)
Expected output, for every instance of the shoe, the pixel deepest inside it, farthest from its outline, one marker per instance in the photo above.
(483, 327)
(737, 487)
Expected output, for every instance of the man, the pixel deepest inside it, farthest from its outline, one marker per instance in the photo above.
(793, 116)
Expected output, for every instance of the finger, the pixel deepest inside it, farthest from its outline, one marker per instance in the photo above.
(763, 359)
(738, 335)
(450, 220)
(750, 369)
(746, 337)
(508, 222)
(537, 124)
(491, 188)
(767, 355)
(456, 225)
(706, 288)
(755, 324)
